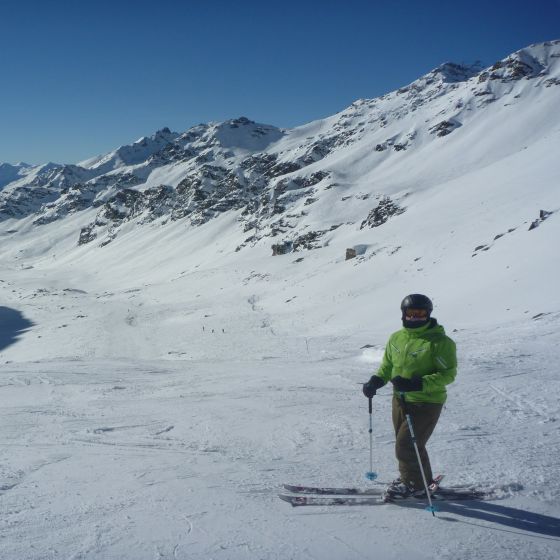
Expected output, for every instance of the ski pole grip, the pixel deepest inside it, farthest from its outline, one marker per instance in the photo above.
(370, 405)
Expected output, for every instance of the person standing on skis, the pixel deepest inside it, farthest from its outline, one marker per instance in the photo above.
(419, 360)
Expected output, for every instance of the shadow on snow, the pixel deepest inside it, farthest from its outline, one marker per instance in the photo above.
(514, 519)
(12, 325)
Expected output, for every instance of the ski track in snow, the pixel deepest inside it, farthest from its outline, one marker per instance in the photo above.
(184, 458)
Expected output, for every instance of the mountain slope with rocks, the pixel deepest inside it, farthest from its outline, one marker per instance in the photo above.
(452, 121)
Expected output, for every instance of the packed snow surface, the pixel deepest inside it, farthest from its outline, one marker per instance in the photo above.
(159, 419)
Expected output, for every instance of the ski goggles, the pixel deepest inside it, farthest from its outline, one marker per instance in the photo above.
(416, 314)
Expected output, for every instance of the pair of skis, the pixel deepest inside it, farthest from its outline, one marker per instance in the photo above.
(324, 496)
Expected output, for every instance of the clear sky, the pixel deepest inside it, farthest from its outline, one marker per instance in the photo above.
(79, 78)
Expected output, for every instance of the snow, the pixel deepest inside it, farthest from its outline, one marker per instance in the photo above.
(10, 173)
(129, 431)
(130, 155)
(157, 392)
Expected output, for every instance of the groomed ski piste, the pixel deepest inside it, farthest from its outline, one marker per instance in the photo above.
(157, 392)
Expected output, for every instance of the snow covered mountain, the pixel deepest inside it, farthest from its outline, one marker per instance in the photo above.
(10, 173)
(185, 321)
(284, 180)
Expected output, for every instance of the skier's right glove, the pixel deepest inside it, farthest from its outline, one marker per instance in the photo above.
(370, 388)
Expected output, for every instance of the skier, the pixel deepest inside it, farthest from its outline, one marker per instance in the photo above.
(419, 360)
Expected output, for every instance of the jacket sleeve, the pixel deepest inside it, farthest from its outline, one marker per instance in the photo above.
(445, 359)
(386, 367)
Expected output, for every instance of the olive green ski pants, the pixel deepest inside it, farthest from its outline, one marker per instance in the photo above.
(424, 418)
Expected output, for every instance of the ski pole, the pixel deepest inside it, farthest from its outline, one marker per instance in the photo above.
(413, 438)
(371, 475)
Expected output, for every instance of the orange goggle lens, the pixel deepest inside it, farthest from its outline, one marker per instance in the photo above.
(416, 313)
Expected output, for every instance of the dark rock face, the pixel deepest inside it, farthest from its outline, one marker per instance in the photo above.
(209, 191)
(305, 242)
(87, 235)
(552, 82)
(312, 239)
(543, 215)
(444, 128)
(282, 248)
(258, 186)
(381, 213)
(516, 67)
(308, 241)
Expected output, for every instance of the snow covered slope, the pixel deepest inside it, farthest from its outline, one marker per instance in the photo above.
(10, 173)
(163, 374)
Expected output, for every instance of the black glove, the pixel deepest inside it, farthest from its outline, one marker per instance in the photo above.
(404, 385)
(370, 388)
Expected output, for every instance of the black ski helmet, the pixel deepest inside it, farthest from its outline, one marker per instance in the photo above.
(416, 301)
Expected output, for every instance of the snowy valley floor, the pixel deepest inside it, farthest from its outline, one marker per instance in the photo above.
(184, 458)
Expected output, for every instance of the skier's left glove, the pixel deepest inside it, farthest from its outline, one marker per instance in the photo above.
(370, 388)
(404, 385)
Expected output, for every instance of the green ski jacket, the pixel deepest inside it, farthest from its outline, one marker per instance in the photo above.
(426, 352)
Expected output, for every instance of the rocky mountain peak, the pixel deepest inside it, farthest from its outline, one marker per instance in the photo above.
(244, 134)
(451, 72)
(530, 62)
(440, 79)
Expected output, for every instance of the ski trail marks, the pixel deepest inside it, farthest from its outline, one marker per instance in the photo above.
(525, 405)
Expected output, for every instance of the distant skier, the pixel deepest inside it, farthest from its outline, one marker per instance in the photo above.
(419, 360)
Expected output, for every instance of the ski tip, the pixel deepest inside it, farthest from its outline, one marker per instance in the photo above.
(290, 499)
(293, 488)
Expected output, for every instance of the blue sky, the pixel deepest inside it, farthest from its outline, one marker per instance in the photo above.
(79, 78)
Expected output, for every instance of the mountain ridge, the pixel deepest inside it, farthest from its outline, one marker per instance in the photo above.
(275, 178)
